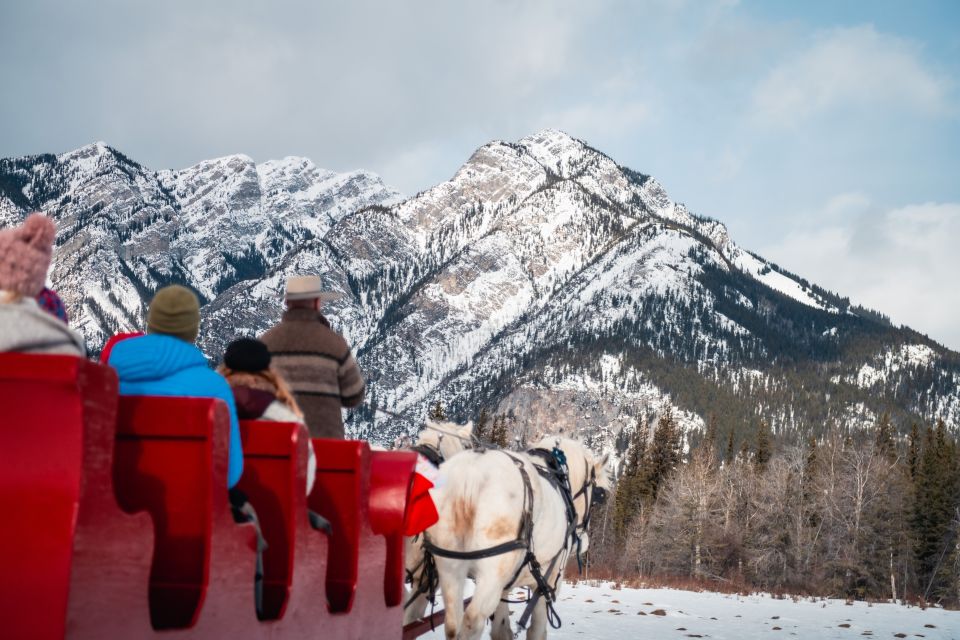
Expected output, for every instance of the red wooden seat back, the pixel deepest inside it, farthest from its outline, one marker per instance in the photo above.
(295, 562)
(171, 460)
(49, 402)
(390, 483)
(359, 557)
(276, 488)
(110, 576)
(163, 466)
(340, 495)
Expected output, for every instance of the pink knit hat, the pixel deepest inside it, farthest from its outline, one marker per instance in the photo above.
(25, 253)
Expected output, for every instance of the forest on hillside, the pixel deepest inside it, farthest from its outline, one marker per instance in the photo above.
(862, 514)
(865, 515)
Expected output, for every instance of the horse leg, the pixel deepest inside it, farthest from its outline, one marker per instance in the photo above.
(538, 622)
(416, 610)
(500, 626)
(452, 575)
(486, 599)
(413, 561)
(490, 575)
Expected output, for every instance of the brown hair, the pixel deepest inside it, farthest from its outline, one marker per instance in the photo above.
(257, 379)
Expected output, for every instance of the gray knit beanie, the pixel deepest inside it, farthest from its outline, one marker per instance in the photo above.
(175, 311)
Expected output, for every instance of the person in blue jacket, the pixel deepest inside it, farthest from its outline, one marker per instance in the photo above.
(165, 362)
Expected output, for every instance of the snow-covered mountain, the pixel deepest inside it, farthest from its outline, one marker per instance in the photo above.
(126, 230)
(543, 280)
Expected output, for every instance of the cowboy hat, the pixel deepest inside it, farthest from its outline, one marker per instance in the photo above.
(308, 288)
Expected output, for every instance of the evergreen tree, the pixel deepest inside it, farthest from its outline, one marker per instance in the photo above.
(883, 436)
(935, 511)
(731, 453)
(913, 452)
(637, 451)
(437, 412)
(763, 449)
(480, 428)
(498, 434)
(632, 488)
(665, 453)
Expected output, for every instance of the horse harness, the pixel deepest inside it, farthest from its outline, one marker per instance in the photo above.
(429, 578)
(555, 472)
(428, 581)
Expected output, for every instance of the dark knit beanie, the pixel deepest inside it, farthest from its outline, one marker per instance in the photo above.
(175, 311)
(247, 354)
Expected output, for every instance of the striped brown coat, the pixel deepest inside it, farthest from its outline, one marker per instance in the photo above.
(317, 364)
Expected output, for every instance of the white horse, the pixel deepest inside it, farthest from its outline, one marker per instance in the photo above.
(482, 498)
(438, 442)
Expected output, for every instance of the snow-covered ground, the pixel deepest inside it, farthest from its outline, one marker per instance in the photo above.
(603, 612)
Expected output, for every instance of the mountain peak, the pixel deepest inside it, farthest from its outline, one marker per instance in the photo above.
(548, 137)
(233, 159)
(554, 149)
(93, 150)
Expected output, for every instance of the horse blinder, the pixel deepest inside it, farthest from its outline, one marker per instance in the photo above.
(598, 495)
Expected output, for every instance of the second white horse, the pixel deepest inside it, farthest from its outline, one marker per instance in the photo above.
(483, 499)
(437, 442)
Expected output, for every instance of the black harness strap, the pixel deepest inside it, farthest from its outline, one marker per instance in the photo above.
(556, 474)
(428, 582)
(524, 532)
(429, 452)
(545, 590)
(479, 554)
(412, 572)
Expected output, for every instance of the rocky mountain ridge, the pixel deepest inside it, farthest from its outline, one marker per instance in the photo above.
(126, 230)
(544, 280)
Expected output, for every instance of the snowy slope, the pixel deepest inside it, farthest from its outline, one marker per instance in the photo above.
(786, 285)
(603, 612)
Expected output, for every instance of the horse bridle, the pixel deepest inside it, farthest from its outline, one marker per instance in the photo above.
(596, 495)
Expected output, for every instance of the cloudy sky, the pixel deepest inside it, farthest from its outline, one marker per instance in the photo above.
(826, 134)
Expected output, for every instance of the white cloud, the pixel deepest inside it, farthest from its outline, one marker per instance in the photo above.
(845, 205)
(849, 67)
(902, 262)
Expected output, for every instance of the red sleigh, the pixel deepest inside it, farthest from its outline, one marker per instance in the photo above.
(117, 522)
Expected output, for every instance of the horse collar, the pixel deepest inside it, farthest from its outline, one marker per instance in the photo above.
(431, 453)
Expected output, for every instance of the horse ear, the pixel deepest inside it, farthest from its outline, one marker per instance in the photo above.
(605, 459)
(467, 429)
